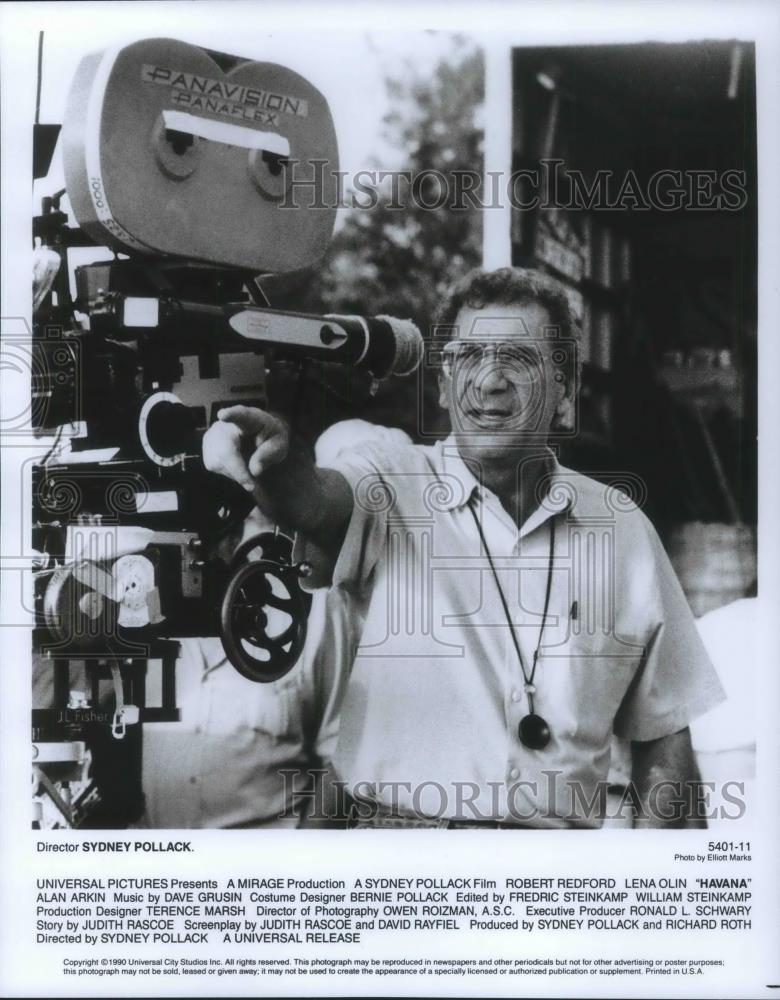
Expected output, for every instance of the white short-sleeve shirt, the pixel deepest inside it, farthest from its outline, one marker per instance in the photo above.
(429, 723)
(243, 753)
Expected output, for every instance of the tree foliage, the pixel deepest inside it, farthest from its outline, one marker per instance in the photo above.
(397, 256)
(401, 260)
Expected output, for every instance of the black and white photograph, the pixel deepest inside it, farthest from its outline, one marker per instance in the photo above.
(386, 454)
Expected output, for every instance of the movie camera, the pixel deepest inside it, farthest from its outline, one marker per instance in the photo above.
(191, 167)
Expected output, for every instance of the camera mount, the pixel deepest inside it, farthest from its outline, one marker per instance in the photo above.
(185, 163)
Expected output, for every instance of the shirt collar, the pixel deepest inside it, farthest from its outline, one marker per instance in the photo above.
(460, 481)
(559, 496)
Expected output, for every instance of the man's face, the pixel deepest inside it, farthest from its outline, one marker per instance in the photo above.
(500, 383)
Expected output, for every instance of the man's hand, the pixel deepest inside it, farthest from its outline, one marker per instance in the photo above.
(243, 443)
(256, 450)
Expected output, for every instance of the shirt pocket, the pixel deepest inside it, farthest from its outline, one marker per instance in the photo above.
(596, 671)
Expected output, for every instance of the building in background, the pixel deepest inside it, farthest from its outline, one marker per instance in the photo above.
(638, 167)
(638, 164)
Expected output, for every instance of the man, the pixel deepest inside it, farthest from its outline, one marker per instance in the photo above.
(248, 754)
(243, 754)
(224, 764)
(516, 613)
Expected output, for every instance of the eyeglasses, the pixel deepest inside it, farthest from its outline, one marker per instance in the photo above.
(519, 359)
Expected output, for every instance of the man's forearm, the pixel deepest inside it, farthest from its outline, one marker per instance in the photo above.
(666, 783)
(298, 495)
(256, 449)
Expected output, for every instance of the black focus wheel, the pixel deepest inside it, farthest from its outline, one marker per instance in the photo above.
(263, 620)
